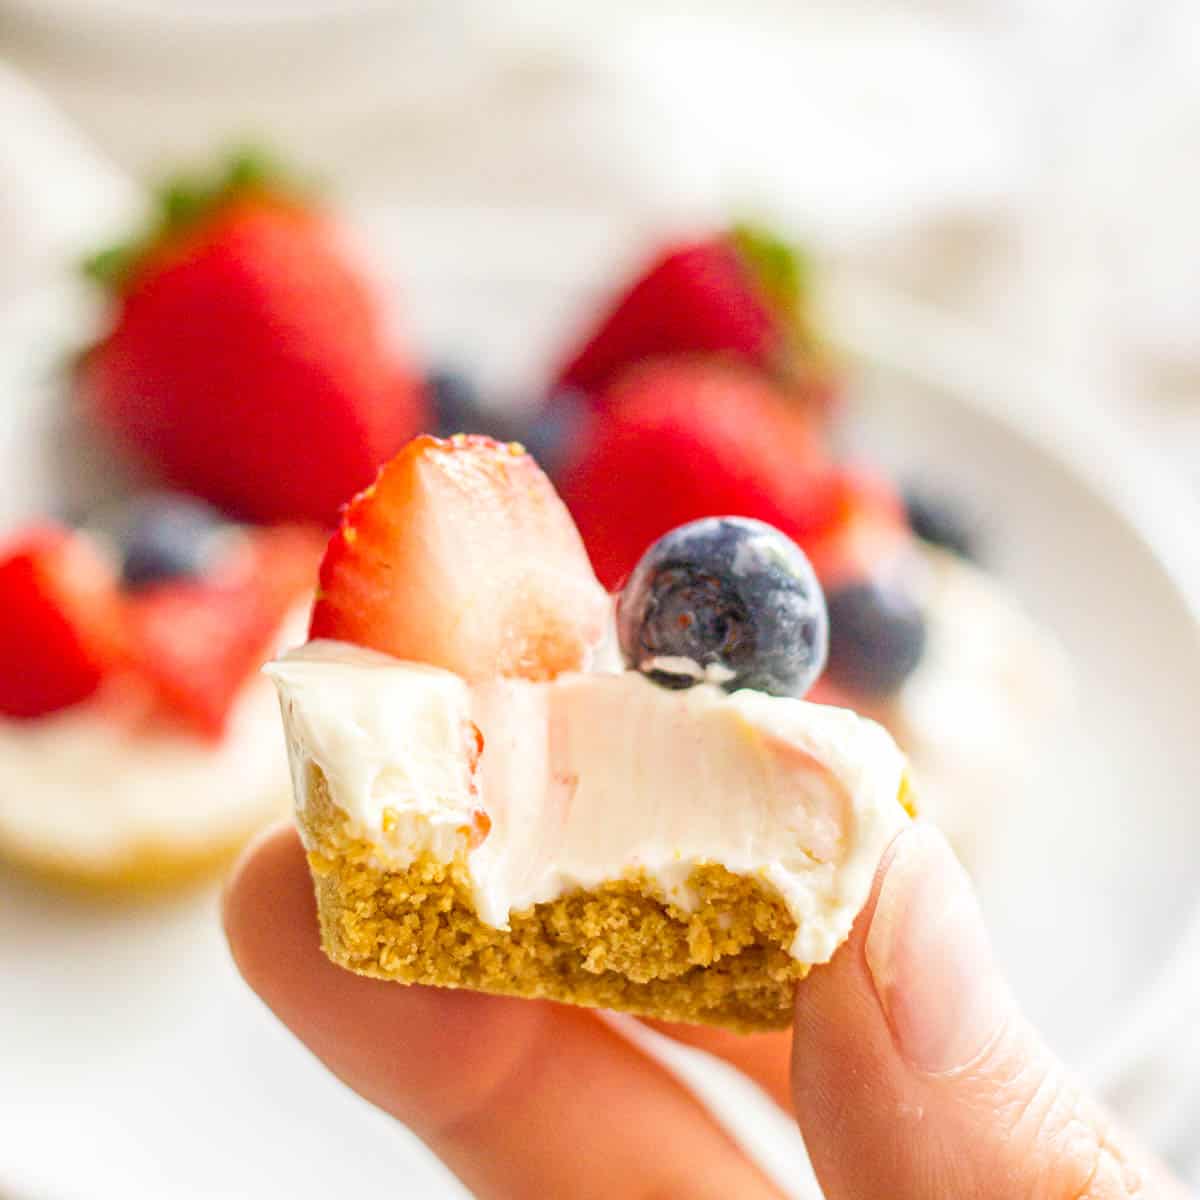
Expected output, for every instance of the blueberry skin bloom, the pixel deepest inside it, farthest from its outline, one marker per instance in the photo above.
(726, 600)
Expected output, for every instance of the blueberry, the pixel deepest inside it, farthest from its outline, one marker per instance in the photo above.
(553, 430)
(938, 520)
(456, 401)
(548, 433)
(459, 407)
(167, 536)
(729, 599)
(876, 637)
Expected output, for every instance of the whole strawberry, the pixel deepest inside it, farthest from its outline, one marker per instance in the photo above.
(677, 439)
(249, 360)
(683, 438)
(741, 294)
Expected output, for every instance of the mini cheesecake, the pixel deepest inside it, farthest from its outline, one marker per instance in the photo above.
(496, 811)
(101, 796)
(139, 744)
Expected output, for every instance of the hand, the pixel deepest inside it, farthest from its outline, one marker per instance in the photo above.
(912, 1074)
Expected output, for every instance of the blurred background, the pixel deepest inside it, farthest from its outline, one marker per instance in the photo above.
(1002, 199)
(1026, 164)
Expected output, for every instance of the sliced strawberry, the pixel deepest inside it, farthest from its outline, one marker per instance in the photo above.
(462, 556)
(681, 439)
(199, 643)
(62, 633)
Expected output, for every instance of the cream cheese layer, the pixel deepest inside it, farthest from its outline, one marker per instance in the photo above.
(593, 777)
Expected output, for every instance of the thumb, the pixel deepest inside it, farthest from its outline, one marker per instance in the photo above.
(915, 1075)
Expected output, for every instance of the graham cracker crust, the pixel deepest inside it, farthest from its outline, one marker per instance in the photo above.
(619, 946)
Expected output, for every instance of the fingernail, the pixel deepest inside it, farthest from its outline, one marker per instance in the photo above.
(930, 958)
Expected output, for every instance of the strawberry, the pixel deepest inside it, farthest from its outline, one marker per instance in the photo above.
(865, 530)
(62, 633)
(248, 361)
(685, 438)
(461, 555)
(742, 294)
(199, 642)
(285, 558)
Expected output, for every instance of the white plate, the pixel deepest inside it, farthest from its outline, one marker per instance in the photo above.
(133, 1062)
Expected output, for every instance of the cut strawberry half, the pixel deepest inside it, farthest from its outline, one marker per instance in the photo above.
(62, 629)
(461, 555)
(199, 643)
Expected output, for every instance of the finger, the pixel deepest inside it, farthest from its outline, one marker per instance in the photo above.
(518, 1098)
(764, 1057)
(916, 1076)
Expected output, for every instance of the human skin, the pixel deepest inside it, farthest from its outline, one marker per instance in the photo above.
(910, 1069)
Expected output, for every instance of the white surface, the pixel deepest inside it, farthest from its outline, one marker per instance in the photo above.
(979, 713)
(130, 1030)
(1092, 537)
(595, 774)
(59, 198)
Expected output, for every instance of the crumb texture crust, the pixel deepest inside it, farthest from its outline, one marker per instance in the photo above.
(619, 946)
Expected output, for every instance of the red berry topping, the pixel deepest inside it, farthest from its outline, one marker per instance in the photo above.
(741, 294)
(200, 642)
(249, 361)
(695, 297)
(62, 632)
(866, 528)
(681, 439)
(462, 556)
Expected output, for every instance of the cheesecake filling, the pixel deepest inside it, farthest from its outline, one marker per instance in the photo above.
(595, 777)
(97, 782)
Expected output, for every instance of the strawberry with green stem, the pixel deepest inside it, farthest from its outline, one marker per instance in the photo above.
(249, 359)
(743, 294)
